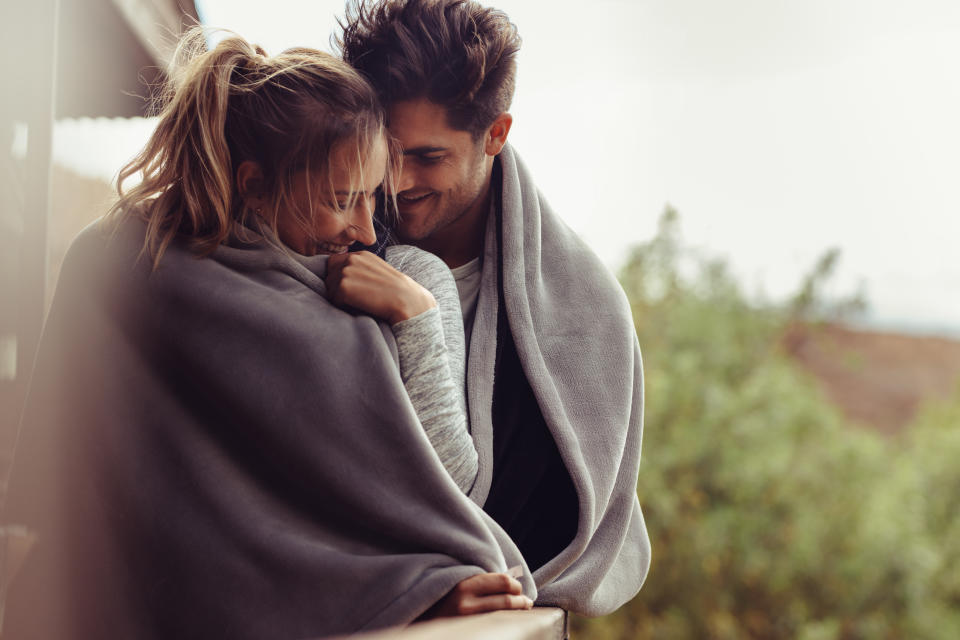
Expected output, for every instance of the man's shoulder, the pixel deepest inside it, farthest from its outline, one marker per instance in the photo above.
(561, 250)
(557, 263)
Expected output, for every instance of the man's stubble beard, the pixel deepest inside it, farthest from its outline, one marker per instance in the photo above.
(452, 205)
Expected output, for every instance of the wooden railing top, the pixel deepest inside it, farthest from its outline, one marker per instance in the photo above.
(539, 623)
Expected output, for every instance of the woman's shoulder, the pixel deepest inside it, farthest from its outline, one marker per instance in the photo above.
(103, 243)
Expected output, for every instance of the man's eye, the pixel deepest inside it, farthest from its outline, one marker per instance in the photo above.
(431, 159)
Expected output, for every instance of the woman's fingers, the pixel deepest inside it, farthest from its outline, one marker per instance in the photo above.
(491, 583)
(363, 281)
(479, 594)
(484, 604)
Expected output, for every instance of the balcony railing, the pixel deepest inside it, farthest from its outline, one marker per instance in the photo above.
(539, 623)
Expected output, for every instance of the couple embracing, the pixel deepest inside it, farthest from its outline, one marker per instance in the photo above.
(333, 364)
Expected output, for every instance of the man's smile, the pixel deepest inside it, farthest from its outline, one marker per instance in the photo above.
(412, 200)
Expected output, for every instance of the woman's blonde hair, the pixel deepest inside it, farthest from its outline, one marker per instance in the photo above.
(222, 107)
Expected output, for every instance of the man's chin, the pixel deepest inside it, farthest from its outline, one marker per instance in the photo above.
(410, 237)
(413, 230)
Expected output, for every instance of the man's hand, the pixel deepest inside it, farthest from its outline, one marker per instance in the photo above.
(479, 594)
(364, 282)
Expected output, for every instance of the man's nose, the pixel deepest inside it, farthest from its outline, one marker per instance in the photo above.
(405, 177)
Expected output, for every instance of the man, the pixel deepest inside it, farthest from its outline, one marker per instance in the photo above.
(554, 374)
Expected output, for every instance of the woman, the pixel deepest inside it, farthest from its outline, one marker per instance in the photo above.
(210, 447)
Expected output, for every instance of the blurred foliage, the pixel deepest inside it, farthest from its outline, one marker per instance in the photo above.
(769, 516)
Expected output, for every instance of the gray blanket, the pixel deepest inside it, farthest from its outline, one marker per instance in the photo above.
(572, 327)
(213, 450)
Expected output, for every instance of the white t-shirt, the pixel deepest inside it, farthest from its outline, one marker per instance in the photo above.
(468, 286)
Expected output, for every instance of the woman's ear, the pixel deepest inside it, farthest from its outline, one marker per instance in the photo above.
(250, 183)
(497, 134)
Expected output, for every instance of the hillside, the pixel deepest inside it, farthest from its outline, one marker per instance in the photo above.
(876, 378)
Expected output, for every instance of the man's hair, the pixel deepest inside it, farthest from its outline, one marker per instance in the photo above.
(454, 53)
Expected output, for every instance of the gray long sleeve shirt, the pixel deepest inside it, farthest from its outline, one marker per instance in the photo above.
(433, 363)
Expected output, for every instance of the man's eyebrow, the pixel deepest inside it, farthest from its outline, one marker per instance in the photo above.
(422, 151)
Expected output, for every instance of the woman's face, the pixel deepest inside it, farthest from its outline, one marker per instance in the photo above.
(336, 221)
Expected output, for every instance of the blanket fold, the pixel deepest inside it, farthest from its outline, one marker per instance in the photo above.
(573, 332)
(212, 450)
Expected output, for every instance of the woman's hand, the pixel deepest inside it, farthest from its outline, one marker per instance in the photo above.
(364, 282)
(479, 594)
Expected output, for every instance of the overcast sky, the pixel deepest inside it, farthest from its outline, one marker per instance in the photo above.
(777, 128)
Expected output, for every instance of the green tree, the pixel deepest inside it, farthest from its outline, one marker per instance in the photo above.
(769, 516)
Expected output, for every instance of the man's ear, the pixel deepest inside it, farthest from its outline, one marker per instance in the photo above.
(250, 183)
(497, 134)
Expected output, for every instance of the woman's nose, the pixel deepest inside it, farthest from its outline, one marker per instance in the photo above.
(361, 227)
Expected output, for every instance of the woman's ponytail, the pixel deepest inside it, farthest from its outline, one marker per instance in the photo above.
(223, 106)
(185, 167)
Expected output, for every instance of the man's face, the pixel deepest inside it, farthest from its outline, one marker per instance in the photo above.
(445, 176)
